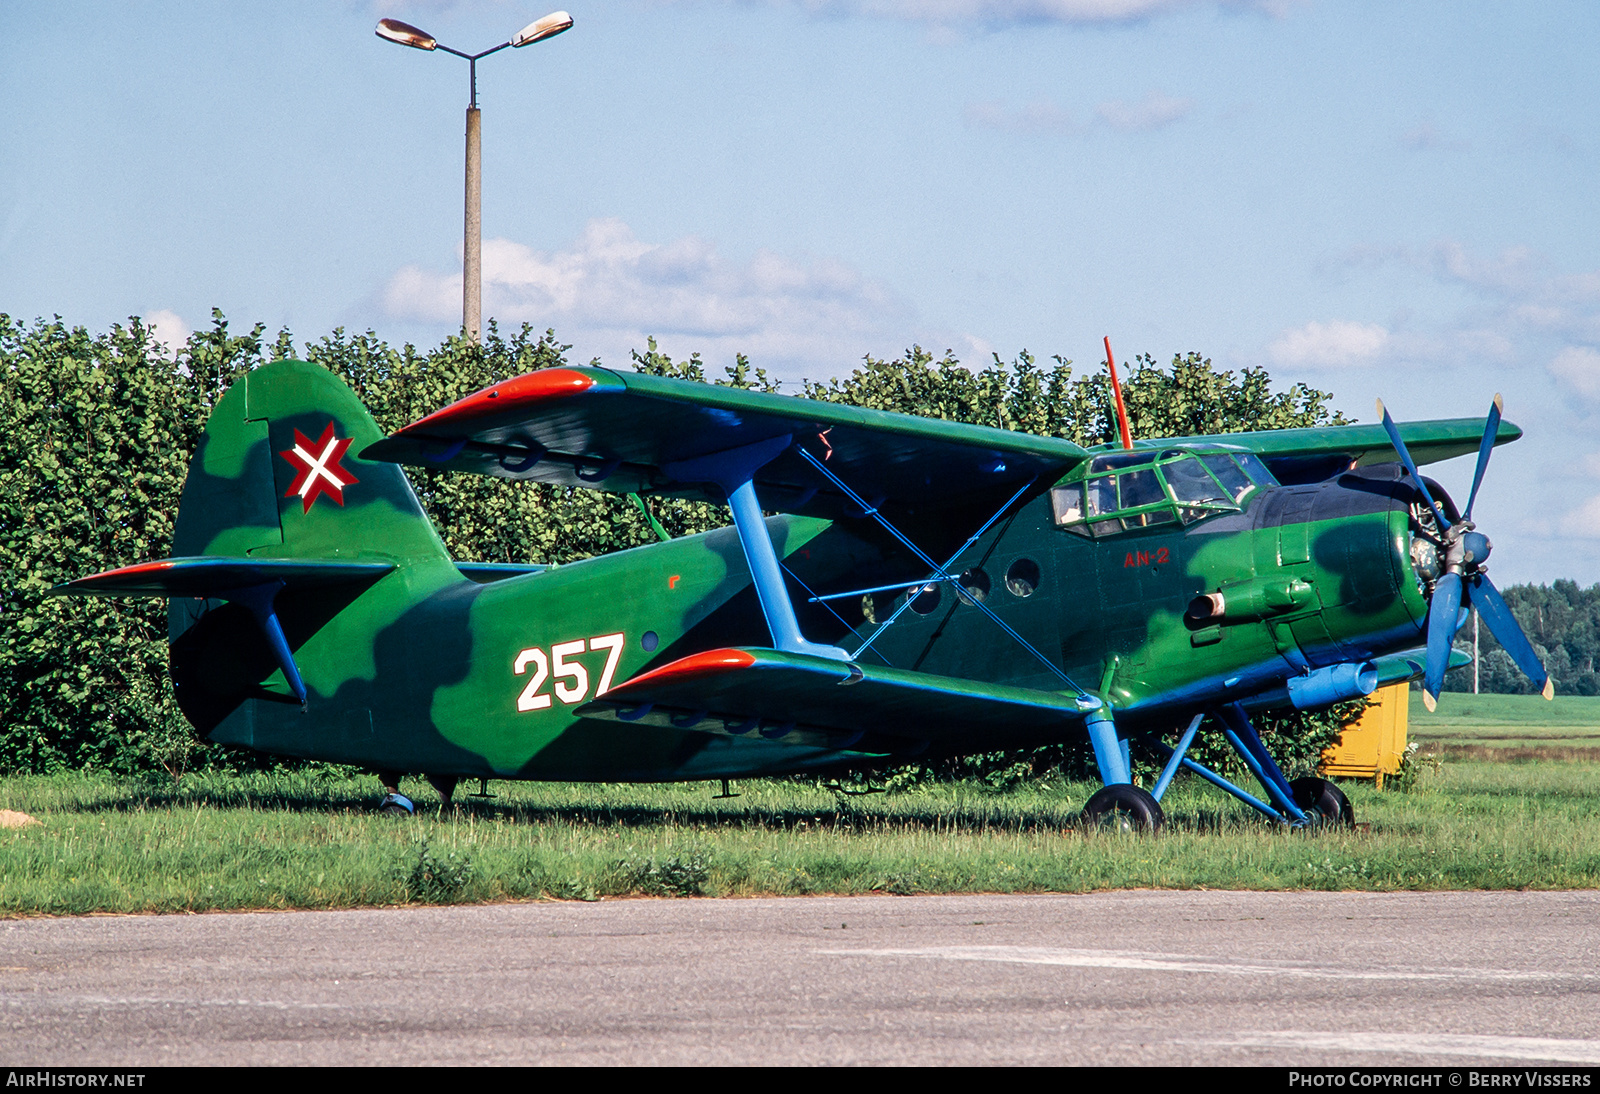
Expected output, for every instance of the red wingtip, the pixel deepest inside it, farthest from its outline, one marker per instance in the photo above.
(131, 571)
(696, 664)
(514, 394)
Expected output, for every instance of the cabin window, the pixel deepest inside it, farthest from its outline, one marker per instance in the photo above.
(925, 599)
(1023, 577)
(973, 586)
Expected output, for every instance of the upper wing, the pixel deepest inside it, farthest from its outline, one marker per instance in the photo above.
(1303, 455)
(620, 432)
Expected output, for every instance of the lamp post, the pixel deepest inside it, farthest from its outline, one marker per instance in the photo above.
(405, 34)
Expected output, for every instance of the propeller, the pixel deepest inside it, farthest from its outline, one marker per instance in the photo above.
(1464, 583)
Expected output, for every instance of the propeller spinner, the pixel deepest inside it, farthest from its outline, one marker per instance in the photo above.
(1462, 582)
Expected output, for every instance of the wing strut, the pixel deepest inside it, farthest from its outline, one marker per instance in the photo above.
(734, 470)
(262, 602)
(1085, 700)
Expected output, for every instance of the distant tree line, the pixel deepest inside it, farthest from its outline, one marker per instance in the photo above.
(96, 431)
(1562, 621)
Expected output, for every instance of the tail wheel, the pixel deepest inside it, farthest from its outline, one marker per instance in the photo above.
(1327, 801)
(1125, 808)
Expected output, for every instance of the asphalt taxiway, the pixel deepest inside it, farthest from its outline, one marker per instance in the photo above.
(1367, 979)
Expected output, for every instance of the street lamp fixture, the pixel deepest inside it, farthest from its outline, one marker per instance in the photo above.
(393, 30)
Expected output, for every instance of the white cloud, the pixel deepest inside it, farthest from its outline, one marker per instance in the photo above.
(1529, 294)
(1340, 342)
(1427, 138)
(1518, 302)
(1578, 367)
(609, 290)
(1041, 116)
(1151, 112)
(167, 327)
(991, 13)
(1584, 521)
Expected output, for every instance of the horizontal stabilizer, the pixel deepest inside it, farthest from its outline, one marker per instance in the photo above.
(206, 576)
(797, 697)
(637, 433)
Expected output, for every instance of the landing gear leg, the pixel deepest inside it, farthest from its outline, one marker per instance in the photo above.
(1325, 800)
(394, 803)
(445, 785)
(1119, 802)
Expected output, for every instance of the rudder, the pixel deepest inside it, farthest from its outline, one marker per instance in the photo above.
(278, 474)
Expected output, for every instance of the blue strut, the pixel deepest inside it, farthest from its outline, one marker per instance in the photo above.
(1110, 753)
(261, 600)
(734, 470)
(1242, 736)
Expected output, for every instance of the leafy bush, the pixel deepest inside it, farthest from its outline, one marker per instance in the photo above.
(431, 880)
(684, 874)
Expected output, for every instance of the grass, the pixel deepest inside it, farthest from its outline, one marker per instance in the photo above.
(1508, 727)
(311, 840)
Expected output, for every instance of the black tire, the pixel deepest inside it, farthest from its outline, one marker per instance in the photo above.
(396, 804)
(1323, 798)
(1124, 807)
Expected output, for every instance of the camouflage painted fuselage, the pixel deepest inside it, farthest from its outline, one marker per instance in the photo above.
(424, 669)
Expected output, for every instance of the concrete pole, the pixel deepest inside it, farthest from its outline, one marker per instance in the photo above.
(472, 244)
(1474, 651)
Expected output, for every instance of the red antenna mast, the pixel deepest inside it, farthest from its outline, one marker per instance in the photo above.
(1116, 391)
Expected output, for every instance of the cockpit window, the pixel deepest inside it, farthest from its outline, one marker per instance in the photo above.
(1189, 481)
(1126, 490)
(1255, 469)
(1228, 473)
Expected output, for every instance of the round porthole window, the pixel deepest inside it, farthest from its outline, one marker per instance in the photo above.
(1023, 577)
(925, 599)
(974, 585)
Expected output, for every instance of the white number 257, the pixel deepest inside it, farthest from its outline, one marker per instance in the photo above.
(572, 678)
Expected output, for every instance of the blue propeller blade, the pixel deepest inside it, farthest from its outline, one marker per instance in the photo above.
(1491, 426)
(1503, 625)
(1442, 618)
(1405, 457)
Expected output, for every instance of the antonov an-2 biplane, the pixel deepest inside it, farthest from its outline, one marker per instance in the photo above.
(928, 588)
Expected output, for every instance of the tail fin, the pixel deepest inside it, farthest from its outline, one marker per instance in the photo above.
(278, 475)
(281, 525)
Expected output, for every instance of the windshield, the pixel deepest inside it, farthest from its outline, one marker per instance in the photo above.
(1126, 490)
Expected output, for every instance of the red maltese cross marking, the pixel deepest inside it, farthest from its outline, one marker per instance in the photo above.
(317, 469)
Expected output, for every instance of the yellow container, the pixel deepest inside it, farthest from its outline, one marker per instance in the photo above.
(1372, 747)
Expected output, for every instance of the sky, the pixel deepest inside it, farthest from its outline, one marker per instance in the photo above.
(1377, 199)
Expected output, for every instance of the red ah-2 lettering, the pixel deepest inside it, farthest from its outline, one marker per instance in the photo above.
(1145, 558)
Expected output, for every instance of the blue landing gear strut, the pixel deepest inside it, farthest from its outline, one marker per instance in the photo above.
(1119, 802)
(1301, 803)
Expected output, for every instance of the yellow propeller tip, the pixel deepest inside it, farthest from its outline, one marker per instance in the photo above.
(1380, 408)
(1499, 403)
(1549, 688)
(1429, 701)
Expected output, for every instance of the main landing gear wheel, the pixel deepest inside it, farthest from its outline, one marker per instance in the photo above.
(1125, 808)
(1327, 801)
(397, 805)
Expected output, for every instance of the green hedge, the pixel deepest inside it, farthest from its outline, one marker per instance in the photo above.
(96, 432)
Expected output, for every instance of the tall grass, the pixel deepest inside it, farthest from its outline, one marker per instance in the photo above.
(311, 840)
